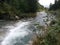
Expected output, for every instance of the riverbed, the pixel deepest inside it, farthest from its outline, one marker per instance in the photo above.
(20, 32)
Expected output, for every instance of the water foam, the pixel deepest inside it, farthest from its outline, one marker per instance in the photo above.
(18, 35)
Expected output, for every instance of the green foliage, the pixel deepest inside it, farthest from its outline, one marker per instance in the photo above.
(24, 5)
(20, 8)
(52, 36)
(50, 40)
(40, 7)
(7, 12)
(55, 6)
(6, 8)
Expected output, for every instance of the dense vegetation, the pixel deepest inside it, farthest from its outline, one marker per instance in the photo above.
(55, 6)
(11, 9)
(52, 36)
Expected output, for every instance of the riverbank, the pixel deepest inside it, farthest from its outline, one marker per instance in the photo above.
(17, 17)
(52, 36)
(8, 12)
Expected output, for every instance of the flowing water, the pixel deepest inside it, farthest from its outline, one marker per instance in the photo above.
(20, 32)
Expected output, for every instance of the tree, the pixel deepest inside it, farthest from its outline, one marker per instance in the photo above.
(32, 5)
(55, 6)
(24, 5)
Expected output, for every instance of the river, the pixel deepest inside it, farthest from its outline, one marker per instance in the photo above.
(21, 32)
